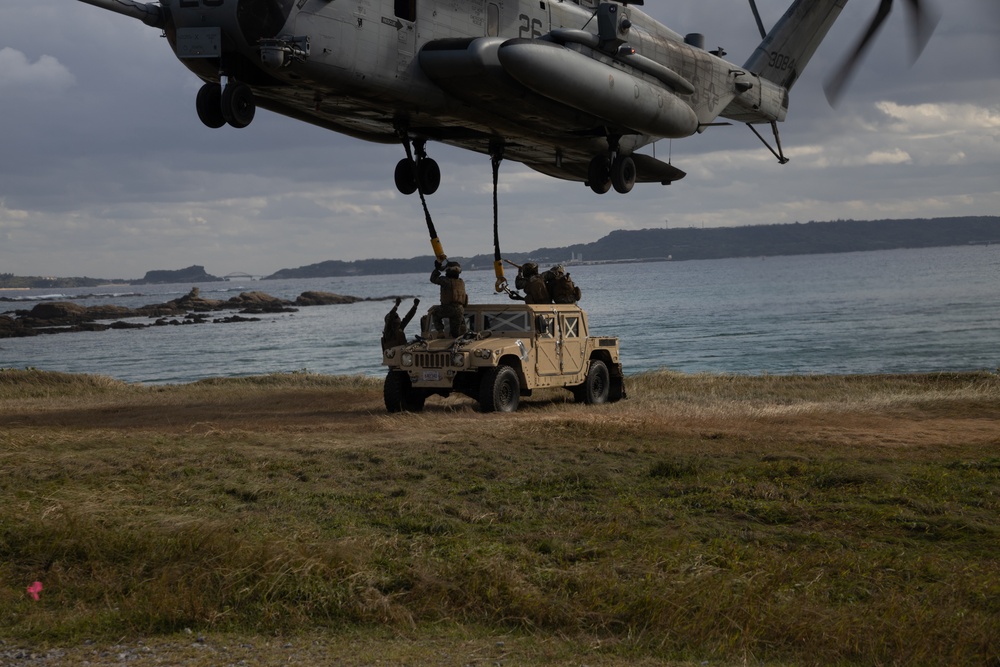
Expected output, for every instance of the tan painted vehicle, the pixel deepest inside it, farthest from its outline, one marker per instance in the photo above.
(509, 350)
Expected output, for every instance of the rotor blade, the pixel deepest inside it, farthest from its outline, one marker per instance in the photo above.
(835, 84)
(923, 20)
(756, 15)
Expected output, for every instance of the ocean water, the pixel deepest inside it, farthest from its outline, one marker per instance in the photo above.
(893, 311)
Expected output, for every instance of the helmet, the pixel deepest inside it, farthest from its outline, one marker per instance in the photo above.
(529, 269)
(452, 269)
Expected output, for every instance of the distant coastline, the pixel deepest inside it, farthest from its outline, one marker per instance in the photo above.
(642, 245)
(690, 243)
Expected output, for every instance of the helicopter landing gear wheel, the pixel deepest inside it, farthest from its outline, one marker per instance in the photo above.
(623, 174)
(599, 174)
(209, 105)
(423, 172)
(406, 176)
(238, 105)
(428, 175)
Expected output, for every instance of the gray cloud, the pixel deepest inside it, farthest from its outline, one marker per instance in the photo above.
(17, 74)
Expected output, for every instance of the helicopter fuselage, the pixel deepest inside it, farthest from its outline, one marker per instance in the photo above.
(571, 88)
(469, 73)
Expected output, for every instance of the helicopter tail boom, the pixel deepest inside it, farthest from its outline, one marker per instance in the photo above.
(149, 14)
(790, 45)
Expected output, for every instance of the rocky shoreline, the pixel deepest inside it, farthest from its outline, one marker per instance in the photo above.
(67, 317)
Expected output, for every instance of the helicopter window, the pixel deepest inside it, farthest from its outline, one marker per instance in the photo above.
(406, 9)
(492, 20)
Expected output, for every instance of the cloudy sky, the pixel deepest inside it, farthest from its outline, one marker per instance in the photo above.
(106, 171)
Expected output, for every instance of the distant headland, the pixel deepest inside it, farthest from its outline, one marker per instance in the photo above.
(676, 244)
(687, 243)
(192, 274)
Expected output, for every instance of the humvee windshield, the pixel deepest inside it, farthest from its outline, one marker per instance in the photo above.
(506, 321)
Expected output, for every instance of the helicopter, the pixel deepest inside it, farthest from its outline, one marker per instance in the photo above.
(571, 88)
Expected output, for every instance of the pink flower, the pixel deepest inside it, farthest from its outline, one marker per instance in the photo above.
(34, 589)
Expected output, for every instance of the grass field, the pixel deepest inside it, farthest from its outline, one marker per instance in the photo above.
(706, 520)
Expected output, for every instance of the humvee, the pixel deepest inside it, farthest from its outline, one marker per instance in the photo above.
(508, 351)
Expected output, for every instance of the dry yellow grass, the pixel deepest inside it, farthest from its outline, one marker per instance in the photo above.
(788, 520)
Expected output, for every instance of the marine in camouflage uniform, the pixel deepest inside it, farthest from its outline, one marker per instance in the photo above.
(393, 333)
(532, 284)
(561, 286)
(453, 298)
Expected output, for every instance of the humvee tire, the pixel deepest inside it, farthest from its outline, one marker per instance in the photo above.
(499, 390)
(616, 390)
(597, 384)
(399, 395)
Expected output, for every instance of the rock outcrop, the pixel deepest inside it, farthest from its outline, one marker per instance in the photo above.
(13, 328)
(259, 302)
(192, 308)
(324, 299)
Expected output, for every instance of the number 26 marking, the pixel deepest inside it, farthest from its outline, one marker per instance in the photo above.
(529, 27)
